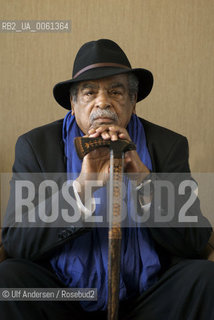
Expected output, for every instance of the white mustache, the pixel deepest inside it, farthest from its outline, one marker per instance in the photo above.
(105, 113)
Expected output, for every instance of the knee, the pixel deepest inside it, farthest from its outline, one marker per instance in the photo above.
(205, 267)
(12, 271)
(204, 271)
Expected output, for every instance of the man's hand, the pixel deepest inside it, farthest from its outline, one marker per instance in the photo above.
(132, 161)
(95, 166)
(98, 162)
(111, 132)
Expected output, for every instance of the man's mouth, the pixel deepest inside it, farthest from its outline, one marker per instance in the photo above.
(104, 120)
(103, 117)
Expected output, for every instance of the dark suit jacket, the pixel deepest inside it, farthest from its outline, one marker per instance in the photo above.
(41, 150)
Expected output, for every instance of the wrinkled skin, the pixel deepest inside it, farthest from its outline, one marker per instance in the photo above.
(103, 108)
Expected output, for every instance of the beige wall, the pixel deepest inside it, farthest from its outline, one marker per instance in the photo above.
(172, 38)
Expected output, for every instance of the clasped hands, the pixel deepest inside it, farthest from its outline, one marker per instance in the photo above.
(98, 161)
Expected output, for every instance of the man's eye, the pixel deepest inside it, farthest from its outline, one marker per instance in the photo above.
(89, 93)
(116, 92)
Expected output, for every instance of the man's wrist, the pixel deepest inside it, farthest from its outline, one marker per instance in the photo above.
(86, 206)
(141, 177)
(145, 190)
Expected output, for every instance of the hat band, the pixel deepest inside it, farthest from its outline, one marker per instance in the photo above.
(99, 65)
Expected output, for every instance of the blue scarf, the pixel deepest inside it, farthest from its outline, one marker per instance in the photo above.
(83, 262)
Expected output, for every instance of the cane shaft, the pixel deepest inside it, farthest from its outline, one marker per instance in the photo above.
(84, 145)
(113, 277)
(114, 236)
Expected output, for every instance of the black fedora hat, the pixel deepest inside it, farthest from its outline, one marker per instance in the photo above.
(100, 59)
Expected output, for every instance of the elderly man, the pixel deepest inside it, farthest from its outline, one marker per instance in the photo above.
(162, 276)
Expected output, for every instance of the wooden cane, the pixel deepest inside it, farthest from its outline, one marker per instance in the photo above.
(117, 148)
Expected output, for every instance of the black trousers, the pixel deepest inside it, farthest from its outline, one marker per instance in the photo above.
(184, 292)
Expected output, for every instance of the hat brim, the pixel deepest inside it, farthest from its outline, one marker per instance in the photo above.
(61, 90)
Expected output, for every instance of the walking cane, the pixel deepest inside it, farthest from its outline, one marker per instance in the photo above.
(117, 148)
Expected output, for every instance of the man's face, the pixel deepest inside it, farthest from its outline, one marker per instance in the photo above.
(103, 102)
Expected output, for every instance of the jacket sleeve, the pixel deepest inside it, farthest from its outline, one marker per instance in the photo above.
(178, 238)
(24, 235)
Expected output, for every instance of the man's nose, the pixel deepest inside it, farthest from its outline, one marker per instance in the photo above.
(103, 100)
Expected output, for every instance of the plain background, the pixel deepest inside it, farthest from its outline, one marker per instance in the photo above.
(172, 38)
